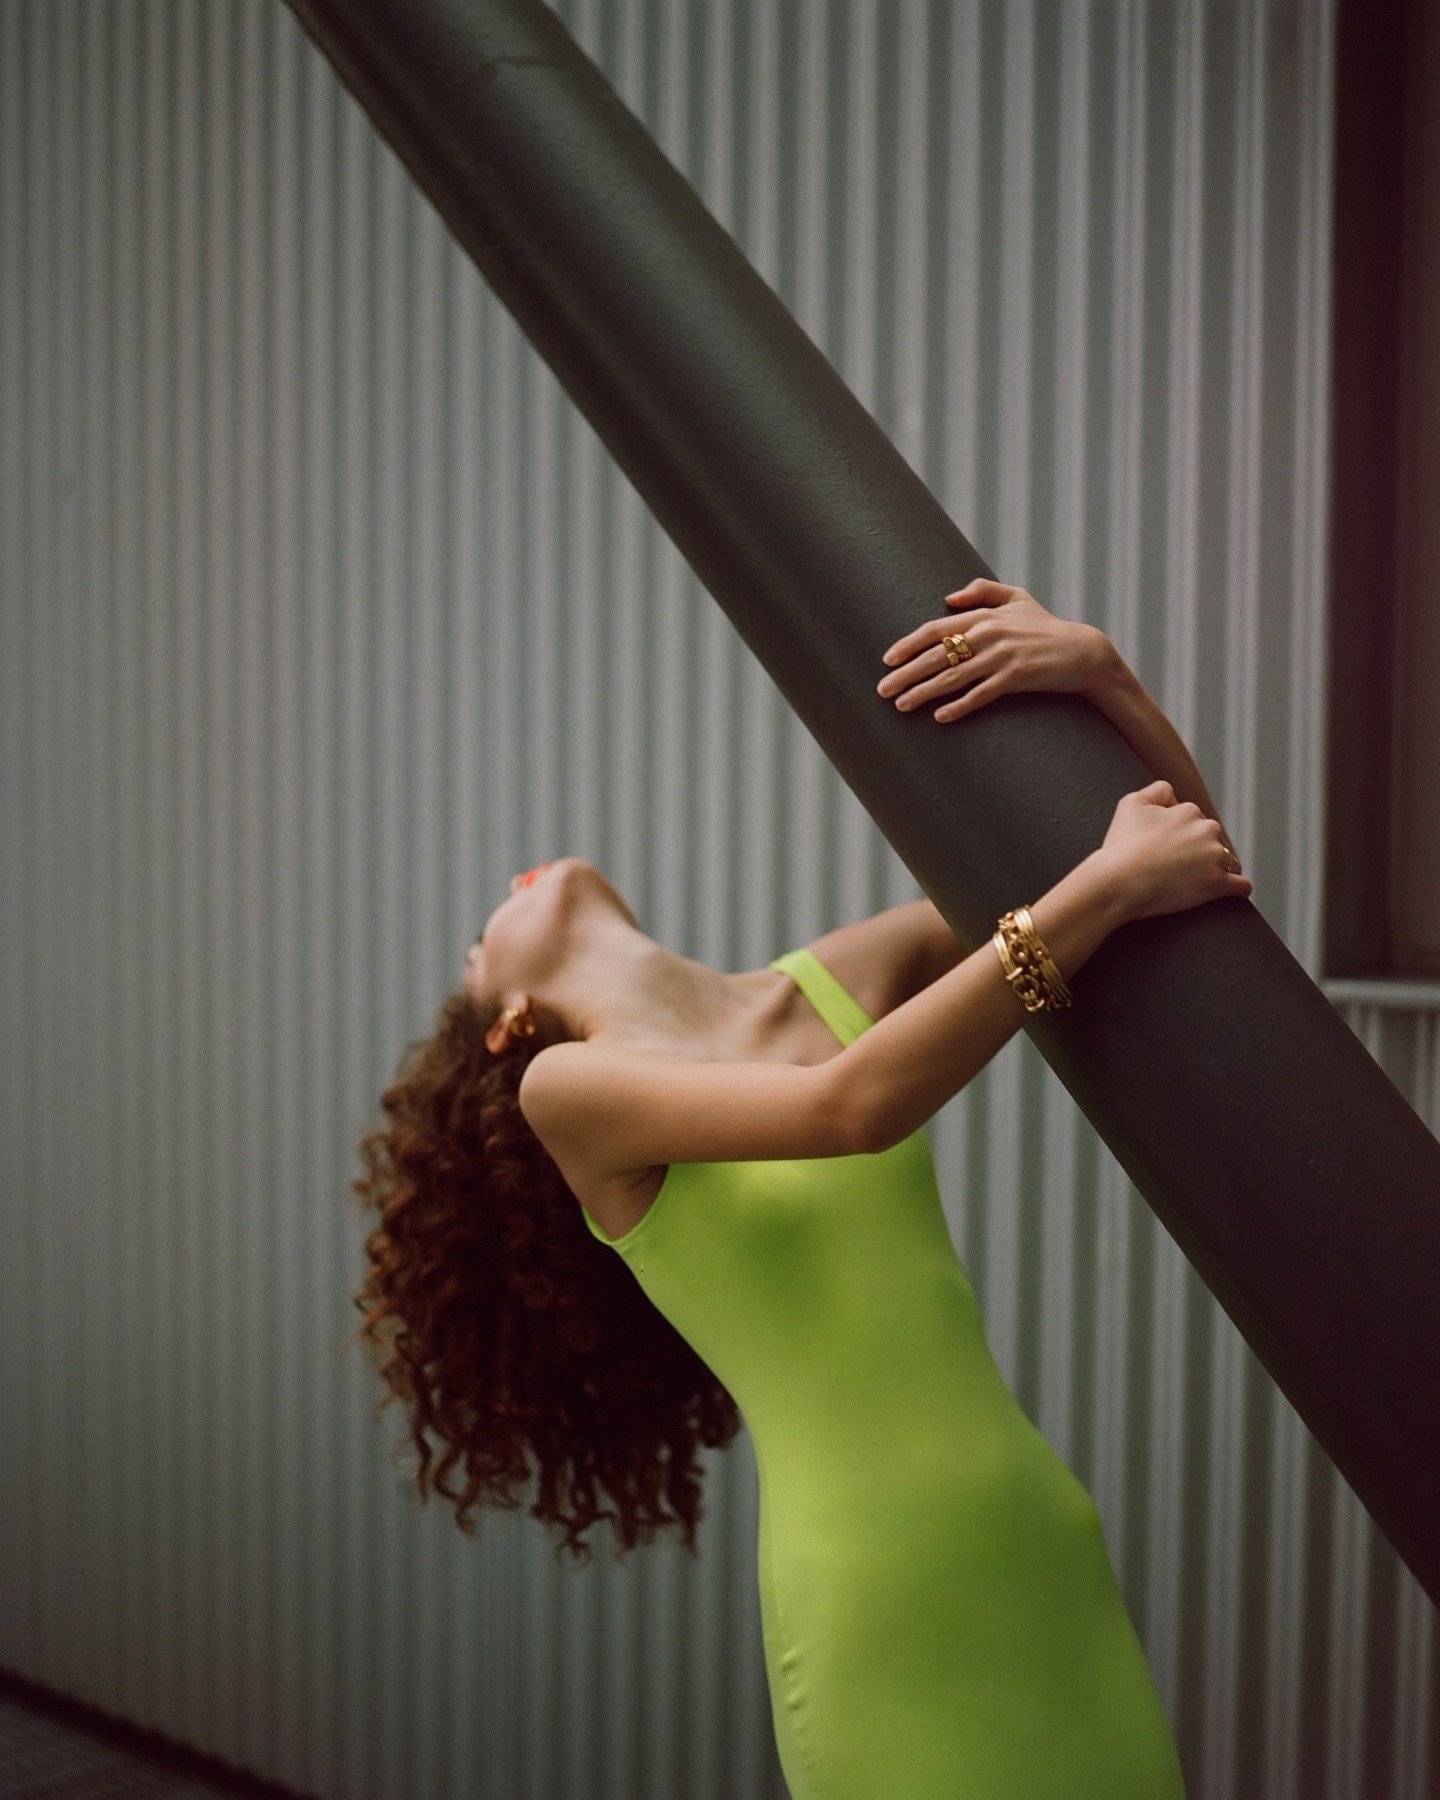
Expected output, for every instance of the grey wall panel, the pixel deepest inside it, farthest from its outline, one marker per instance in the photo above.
(323, 612)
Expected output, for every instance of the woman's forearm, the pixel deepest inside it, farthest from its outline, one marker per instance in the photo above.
(1118, 692)
(900, 1071)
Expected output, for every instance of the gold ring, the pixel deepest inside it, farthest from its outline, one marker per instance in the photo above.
(957, 648)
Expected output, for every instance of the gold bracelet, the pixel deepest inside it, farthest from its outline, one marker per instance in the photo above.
(1024, 982)
(1024, 970)
(1028, 966)
(1061, 995)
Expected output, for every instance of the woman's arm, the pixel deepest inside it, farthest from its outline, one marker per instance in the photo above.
(619, 1111)
(931, 948)
(902, 1070)
(1018, 646)
(1117, 691)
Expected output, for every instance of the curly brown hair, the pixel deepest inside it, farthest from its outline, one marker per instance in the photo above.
(514, 1338)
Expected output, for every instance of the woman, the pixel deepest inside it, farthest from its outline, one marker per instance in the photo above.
(758, 1222)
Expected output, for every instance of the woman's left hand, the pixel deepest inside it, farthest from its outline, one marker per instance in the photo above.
(1018, 646)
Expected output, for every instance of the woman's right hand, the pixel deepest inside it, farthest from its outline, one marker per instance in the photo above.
(1169, 854)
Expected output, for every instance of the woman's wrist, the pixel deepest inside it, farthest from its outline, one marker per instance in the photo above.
(1074, 917)
(1107, 670)
(1120, 885)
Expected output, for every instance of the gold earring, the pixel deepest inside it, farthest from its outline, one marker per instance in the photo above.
(514, 1022)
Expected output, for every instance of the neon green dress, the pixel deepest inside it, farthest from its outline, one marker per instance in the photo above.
(941, 1620)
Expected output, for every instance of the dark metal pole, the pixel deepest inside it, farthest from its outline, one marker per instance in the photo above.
(1291, 1171)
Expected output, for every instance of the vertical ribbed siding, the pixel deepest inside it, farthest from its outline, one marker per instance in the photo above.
(323, 611)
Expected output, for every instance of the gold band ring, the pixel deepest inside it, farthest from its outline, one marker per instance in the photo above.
(957, 648)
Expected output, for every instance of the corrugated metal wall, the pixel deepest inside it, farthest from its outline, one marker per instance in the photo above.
(323, 613)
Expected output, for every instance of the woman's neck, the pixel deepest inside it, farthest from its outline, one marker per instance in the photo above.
(620, 987)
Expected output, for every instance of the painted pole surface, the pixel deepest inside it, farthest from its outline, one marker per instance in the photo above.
(1294, 1175)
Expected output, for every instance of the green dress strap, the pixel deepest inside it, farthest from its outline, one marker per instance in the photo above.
(836, 1005)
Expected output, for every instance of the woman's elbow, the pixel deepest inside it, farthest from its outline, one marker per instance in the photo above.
(863, 1119)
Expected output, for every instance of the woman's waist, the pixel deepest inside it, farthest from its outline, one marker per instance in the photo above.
(972, 1447)
(917, 1380)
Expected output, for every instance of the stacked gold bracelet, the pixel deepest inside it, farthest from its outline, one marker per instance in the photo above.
(1027, 963)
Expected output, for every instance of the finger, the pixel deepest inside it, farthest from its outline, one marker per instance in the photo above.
(910, 645)
(928, 662)
(915, 643)
(945, 682)
(971, 700)
(981, 592)
(924, 665)
(970, 618)
(930, 632)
